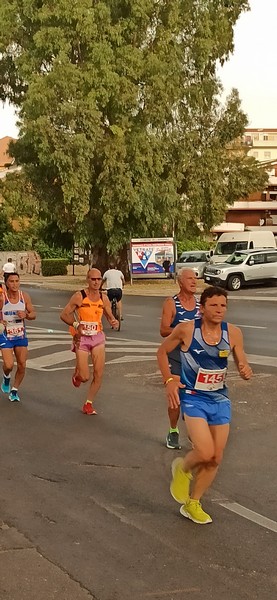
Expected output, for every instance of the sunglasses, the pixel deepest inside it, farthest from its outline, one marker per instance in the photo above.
(95, 278)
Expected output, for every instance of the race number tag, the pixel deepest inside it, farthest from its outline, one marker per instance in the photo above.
(210, 381)
(89, 328)
(15, 330)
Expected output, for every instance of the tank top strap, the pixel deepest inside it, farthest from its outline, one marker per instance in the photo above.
(197, 324)
(83, 294)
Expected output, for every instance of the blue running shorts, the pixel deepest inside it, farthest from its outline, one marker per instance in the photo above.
(215, 413)
(5, 343)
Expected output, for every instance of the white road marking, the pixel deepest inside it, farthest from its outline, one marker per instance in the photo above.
(38, 305)
(267, 361)
(131, 350)
(268, 292)
(56, 307)
(259, 299)
(128, 359)
(251, 326)
(129, 315)
(49, 359)
(246, 513)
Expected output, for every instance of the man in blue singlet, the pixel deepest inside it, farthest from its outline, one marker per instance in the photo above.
(183, 307)
(205, 347)
(15, 307)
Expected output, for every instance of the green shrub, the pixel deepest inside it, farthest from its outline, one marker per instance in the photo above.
(194, 244)
(54, 266)
(47, 251)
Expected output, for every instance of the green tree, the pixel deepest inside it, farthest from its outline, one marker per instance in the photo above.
(121, 131)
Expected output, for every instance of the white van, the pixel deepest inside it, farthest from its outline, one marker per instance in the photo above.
(241, 240)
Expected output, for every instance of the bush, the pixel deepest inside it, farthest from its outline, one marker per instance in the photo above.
(54, 266)
(47, 251)
(194, 244)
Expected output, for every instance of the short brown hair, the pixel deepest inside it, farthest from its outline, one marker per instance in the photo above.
(212, 290)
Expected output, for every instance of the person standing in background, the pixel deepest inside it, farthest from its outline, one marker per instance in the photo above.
(9, 267)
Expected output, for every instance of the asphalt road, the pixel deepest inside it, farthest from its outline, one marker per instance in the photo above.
(91, 493)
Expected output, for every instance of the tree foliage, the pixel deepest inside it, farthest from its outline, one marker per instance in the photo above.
(122, 133)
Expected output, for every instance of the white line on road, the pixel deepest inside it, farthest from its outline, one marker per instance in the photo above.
(250, 515)
(259, 299)
(251, 326)
(139, 316)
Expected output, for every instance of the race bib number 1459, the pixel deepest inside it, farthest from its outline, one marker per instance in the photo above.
(210, 381)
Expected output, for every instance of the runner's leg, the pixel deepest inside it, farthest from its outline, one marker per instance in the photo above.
(98, 361)
(82, 366)
(209, 443)
(21, 358)
(8, 360)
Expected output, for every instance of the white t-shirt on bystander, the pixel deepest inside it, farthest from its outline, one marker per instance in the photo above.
(9, 267)
(114, 279)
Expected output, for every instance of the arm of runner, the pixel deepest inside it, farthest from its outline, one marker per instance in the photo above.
(181, 334)
(108, 313)
(168, 314)
(122, 278)
(68, 313)
(29, 313)
(240, 358)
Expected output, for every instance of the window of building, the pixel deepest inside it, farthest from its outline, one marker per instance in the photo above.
(265, 138)
(267, 154)
(255, 154)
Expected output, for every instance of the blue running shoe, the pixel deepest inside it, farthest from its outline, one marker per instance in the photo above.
(6, 385)
(13, 396)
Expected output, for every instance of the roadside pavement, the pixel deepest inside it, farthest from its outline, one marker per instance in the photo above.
(70, 282)
(27, 575)
(24, 573)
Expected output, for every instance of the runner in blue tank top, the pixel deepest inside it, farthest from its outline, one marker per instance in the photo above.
(179, 309)
(205, 347)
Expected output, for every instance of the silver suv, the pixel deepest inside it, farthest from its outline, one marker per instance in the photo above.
(243, 267)
(197, 261)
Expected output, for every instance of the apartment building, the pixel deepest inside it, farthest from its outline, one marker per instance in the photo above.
(260, 208)
(261, 143)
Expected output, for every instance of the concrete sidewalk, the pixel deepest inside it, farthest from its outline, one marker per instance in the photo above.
(158, 287)
(27, 575)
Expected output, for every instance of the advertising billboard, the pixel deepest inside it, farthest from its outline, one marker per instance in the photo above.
(148, 255)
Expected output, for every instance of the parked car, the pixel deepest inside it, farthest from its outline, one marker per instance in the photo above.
(243, 267)
(196, 260)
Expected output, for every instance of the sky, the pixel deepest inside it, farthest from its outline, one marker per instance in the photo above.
(251, 69)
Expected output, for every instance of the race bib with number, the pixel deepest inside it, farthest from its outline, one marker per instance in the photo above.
(89, 328)
(210, 381)
(15, 330)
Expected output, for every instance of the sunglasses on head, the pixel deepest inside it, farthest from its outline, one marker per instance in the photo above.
(95, 278)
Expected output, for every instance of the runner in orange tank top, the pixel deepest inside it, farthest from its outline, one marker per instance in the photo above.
(84, 313)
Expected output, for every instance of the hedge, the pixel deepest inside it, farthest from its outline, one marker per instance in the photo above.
(54, 266)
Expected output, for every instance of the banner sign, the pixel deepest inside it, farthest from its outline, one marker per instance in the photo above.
(149, 254)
